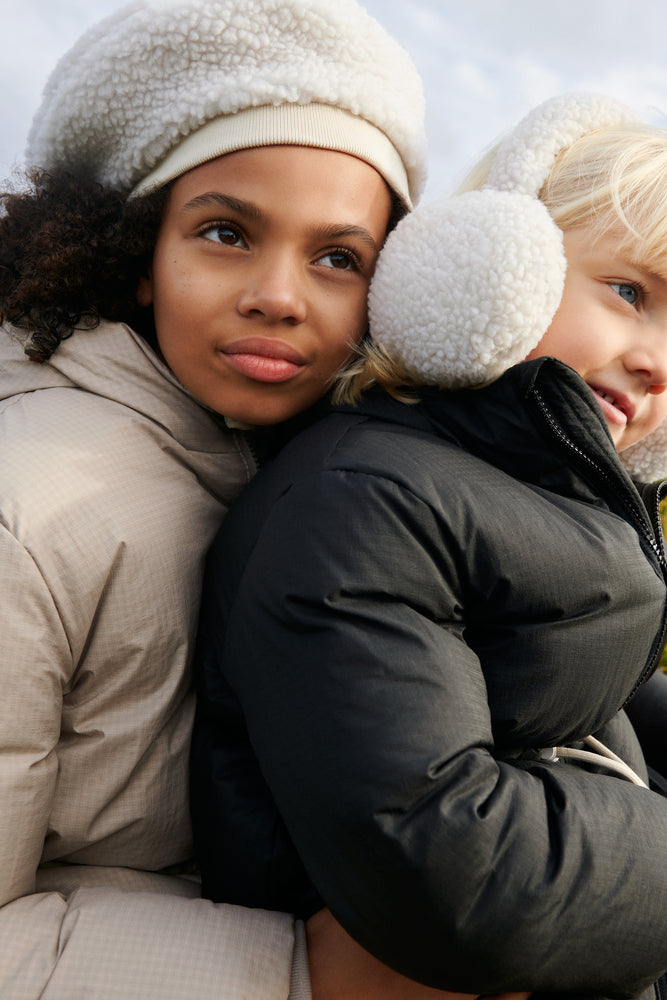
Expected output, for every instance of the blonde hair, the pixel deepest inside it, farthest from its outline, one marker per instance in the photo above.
(613, 178)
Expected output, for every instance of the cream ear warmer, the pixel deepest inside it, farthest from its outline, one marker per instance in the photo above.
(466, 287)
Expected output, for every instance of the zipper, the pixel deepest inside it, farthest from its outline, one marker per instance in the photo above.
(652, 495)
(250, 445)
(638, 514)
(645, 520)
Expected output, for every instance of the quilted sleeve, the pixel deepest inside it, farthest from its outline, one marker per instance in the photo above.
(36, 664)
(368, 714)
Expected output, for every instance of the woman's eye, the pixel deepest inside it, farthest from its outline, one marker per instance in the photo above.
(630, 293)
(341, 260)
(229, 235)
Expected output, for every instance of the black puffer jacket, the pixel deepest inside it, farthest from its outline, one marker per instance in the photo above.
(406, 607)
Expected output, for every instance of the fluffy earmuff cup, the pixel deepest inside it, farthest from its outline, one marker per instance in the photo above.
(465, 287)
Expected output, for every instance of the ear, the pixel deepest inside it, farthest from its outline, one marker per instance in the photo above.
(145, 289)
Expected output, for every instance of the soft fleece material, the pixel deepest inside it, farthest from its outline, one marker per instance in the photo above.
(139, 82)
(113, 484)
(466, 287)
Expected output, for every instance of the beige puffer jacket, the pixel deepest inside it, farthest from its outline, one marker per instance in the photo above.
(113, 482)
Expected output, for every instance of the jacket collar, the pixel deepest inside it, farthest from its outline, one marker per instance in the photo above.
(539, 422)
(114, 362)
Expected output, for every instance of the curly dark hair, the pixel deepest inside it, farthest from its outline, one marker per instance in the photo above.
(71, 253)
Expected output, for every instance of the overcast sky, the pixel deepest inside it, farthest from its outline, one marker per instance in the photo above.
(484, 62)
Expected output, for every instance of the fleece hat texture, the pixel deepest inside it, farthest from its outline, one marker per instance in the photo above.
(126, 104)
(467, 286)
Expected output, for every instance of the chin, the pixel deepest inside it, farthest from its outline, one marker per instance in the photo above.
(262, 415)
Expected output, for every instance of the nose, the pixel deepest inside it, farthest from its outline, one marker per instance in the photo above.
(649, 359)
(274, 291)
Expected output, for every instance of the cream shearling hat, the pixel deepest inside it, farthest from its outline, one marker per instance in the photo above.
(466, 287)
(162, 86)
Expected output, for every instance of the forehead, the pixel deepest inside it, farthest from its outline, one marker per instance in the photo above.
(635, 227)
(613, 247)
(318, 179)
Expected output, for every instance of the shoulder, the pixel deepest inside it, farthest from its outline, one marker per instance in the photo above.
(78, 465)
(353, 481)
(68, 440)
(398, 451)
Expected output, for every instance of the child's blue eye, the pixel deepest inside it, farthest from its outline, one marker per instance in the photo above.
(627, 292)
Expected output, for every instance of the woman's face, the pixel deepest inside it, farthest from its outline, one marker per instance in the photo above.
(260, 276)
(611, 327)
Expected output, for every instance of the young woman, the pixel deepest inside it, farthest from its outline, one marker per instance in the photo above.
(209, 187)
(418, 720)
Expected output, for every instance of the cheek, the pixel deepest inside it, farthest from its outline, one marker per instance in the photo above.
(659, 412)
(174, 309)
(640, 429)
(176, 332)
(166, 321)
(551, 342)
(568, 333)
(339, 322)
(355, 319)
(172, 277)
(562, 340)
(348, 333)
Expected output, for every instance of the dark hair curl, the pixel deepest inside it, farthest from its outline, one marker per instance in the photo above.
(72, 253)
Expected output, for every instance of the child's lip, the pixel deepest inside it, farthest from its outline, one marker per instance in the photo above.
(618, 400)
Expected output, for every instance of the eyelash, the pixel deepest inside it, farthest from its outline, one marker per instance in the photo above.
(219, 225)
(637, 287)
(349, 255)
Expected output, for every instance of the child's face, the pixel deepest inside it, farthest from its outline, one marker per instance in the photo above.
(260, 276)
(611, 327)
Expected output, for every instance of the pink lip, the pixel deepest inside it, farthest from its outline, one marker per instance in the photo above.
(264, 359)
(619, 408)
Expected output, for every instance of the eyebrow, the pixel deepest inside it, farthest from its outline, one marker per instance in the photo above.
(660, 276)
(328, 233)
(647, 272)
(334, 232)
(219, 200)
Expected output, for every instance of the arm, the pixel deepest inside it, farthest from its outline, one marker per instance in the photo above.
(340, 969)
(111, 944)
(369, 717)
(36, 664)
(95, 942)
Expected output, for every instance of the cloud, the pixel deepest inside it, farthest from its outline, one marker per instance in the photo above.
(484, 63)
(35, 34)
